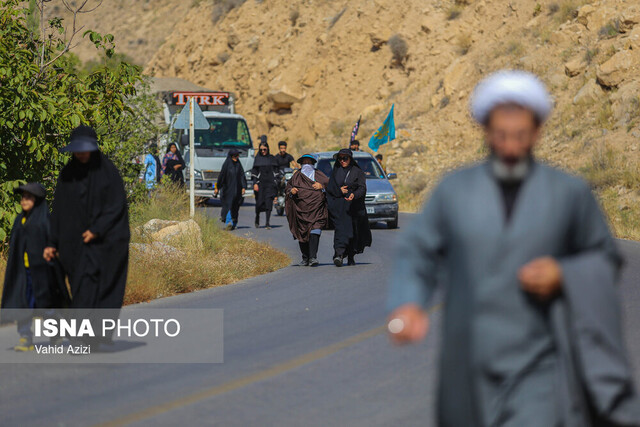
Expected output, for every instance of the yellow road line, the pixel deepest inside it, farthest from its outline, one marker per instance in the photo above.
(247, 380)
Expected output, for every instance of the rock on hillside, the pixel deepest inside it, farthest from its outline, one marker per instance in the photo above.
(305, 70)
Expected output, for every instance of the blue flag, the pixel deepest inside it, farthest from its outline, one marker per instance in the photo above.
(386, 133)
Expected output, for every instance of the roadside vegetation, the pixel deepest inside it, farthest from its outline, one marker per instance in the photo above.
(224, 258)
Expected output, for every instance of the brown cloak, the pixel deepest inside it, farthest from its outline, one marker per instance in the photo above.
(306, 210)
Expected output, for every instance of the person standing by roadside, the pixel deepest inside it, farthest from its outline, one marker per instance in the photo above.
(532, 332)
(152, 168)
(346, 191)
(265, 169)
(90, 225)
(231, 186)
(30, 283)
(173, 164)
(306, 208)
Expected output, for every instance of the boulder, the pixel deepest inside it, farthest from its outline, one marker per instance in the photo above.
(575, 66)
(156, 250)
(456, 73)
(590, 92)
(630, 18)
(156, 225)
(283, 94)
(594, 18)
(626, 101)
(183, 234)
(632, 41)
(618, 68)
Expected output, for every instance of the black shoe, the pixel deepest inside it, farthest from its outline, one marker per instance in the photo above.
(313, 262)
(351, 261)
(268, 227)
(337, 260)
(257, 225)
(304, 262)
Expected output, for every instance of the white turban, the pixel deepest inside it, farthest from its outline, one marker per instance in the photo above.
(510, 87)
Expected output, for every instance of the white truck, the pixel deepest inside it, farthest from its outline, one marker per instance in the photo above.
(227, 130)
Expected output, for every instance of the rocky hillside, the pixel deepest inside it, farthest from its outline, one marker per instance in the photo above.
(305, 70)
(140, 27)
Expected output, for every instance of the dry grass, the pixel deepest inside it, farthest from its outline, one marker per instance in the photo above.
(225, 258)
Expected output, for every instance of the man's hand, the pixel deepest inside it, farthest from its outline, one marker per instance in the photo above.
(408, 324)
(176, 167)
(350, 198)
(294, 191)
(215, 193)
(256, 188)
(88, 236)
(344, 189)
(243, 191)
(317, 186)
(542, 278)
(49, 254)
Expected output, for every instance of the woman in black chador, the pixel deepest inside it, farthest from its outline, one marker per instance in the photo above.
(173, 164)
(265, 187)
(30, 282)
(345, 196)
(231, 185)
(90, 225)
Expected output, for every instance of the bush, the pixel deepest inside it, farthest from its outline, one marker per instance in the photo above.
(43, 96)
(293, 16)
(454, 13)
(612, 29)
(223, 57)
(464, 42)
(222, 7)
(399, 48)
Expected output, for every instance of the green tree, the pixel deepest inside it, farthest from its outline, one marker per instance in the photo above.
(43, 96)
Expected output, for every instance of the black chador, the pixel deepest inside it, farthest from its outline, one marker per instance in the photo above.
(352, 232)
(91, 196)
(231, 182)
(265, 169)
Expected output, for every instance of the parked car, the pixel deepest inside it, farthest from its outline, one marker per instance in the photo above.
(381, 199)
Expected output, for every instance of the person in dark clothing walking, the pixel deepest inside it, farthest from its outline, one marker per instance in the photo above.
(265, 169)
(173, 164)
(30, 283)
(345, 196)
(306, 207)
(231, 187)
(90, 225)
(283, 158)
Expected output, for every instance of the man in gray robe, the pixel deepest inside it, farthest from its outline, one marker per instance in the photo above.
(532, 334)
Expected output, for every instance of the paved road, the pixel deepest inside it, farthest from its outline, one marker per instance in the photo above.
(302, 347)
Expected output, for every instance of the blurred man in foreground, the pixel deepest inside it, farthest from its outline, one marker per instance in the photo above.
(532, 333)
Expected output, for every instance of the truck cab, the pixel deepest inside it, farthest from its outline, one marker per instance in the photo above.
(227, 130)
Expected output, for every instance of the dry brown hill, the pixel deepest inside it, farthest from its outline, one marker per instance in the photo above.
(140, 27)
(305, 70)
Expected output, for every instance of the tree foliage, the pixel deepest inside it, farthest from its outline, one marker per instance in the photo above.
(44, 95)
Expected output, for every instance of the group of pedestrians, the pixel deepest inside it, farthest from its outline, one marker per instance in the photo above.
(84, 241)
(315, 200)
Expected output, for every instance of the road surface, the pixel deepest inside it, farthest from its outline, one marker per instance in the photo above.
(302, 347)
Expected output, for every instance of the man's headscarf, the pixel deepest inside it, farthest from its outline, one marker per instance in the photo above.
(510, 87)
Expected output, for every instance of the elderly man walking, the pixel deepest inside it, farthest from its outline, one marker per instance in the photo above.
(532, 332)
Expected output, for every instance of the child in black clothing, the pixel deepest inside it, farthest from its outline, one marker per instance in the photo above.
(30, 282)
